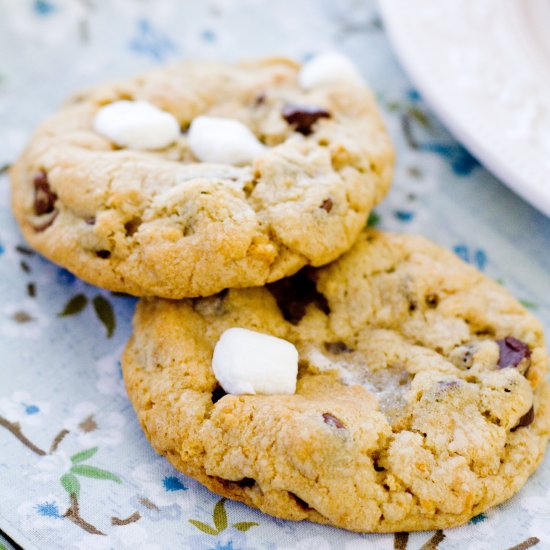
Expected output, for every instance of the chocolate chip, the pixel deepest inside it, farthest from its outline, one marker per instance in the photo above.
(44, 197)
(217, 394)
(432, 300)
(260, 99)
(332, 421)
(300, 502)
(512, 352)
(337, 348)
(327, 205)
(525, 420)
(104, 254)
(303, 117)
(90, 220)
(246, 482)
(132, 226)
(294, 294)
(375, 463)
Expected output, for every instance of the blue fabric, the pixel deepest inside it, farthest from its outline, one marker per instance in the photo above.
(67, 426)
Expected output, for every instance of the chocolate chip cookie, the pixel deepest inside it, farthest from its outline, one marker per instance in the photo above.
(421, 396)
(202, 176)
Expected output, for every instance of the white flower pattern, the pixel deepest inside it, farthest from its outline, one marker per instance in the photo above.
(163, 486)
(25, 410)
(93, 427)
(65, 374)
(24, 320)
(42, 515)
(52, 467)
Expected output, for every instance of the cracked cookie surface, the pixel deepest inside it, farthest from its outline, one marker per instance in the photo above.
(161, 223)
(421, 400)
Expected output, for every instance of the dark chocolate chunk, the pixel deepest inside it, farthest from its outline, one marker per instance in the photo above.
(132, 226)
(332, 421)
(217, 394)
(376, 463)
(512, 352)
(294, 294)
(90, 220)
(44, 197)
(303, 117)
(300, 502)
(246, 482)
(327, 205)
(432, 300)
(337, 348)
(525, 420)
(104, 254)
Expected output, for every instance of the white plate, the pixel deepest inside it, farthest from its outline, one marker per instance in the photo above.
(484, 66)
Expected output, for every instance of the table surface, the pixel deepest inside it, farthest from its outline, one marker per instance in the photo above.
(62, 400)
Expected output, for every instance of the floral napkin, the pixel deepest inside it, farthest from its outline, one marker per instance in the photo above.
(75, 469)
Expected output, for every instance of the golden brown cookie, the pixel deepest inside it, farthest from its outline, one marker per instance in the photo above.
(158, 222)
(421, 400)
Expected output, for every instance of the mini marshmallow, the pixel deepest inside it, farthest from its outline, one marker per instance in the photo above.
(329, 68)
(249, 362)
(136, 125)
(223, 140)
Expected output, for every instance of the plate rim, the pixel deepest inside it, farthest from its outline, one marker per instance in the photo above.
(503, 169)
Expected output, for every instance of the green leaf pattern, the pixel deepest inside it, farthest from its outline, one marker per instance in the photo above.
(95, 473)
(219, 517)
(83, 455)
(75, 305)
(71, 484)
(245, 525)
(105, 313)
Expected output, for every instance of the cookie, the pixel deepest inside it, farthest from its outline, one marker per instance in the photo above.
(201, 176)
(421, 396)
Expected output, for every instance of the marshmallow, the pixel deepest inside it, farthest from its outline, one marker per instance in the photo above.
(136, 125)
(328, 68)
(223, 140)
(249, 362)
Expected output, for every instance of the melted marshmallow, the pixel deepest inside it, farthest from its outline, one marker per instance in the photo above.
(136, 125)
(223, 140)
(328, 68)
(249, 362)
